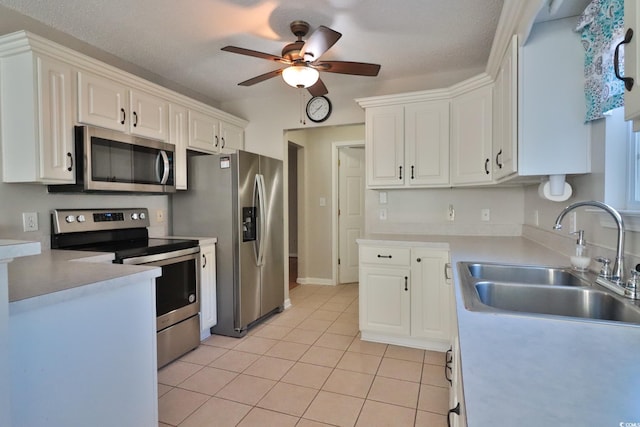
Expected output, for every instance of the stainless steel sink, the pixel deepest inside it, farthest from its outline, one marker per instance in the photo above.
(558, 301)
(528, 274)
(542, 291)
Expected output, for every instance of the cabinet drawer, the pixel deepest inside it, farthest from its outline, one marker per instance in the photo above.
(385, 255)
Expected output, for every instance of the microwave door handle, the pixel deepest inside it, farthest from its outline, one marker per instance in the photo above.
(164, 176)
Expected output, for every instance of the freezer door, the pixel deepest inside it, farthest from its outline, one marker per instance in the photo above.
(248, 290)
(272, 270)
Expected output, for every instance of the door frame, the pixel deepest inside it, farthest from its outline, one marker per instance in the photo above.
(335, 146)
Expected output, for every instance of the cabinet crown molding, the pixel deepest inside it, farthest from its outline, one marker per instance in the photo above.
(427, 95)
(23, 41)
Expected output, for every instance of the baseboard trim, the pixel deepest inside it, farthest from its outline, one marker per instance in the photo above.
(423, 343)
(315, 281)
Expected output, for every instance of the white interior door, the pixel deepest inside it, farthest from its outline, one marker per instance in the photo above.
(350, 210)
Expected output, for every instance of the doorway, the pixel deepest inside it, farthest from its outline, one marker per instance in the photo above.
(349, 178)
(293, 213)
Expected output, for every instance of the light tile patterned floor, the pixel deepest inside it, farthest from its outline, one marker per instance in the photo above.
(305, 367)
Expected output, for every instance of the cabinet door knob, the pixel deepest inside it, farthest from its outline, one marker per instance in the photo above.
(628, 81)
(70, 167)
(419, 259)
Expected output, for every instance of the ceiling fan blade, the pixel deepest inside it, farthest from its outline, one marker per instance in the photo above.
(261, 78)
(319, 42)
(347, 67)
(318, 89)
(256, 54)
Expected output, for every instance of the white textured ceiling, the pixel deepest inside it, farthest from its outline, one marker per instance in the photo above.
(180, 40)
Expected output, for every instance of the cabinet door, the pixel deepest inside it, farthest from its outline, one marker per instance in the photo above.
(385, 300)
(631, 63)
(384, 146)
(148, 116)
(427, 143)
(505, 115)
(231, 137)
(471, 137)
(101, 102)
(203, 132)
(430, 295)
(56, 124)
(208, 309)
(178, 136)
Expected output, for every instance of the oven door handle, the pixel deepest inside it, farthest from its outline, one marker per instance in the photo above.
(169, 257)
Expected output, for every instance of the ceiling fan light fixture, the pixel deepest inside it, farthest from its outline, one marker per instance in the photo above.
(300, 76)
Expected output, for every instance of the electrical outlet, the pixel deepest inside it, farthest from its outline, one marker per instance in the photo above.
(485, 214)
(30, 221)
(383, 214)
(382, 198)
(160, 215)
(452, 213)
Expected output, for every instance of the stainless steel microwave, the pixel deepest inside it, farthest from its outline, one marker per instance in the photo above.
(113, 161)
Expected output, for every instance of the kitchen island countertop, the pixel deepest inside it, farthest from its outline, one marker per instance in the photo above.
(58, 275)
(520, 370)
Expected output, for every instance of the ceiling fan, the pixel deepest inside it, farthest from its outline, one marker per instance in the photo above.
(303, 60)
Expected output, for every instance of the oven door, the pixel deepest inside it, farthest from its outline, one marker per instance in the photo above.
(178, 289)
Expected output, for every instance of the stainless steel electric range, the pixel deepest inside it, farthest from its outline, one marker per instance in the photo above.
(124, 232)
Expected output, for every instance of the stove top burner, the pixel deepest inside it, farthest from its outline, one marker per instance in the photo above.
(141, 247)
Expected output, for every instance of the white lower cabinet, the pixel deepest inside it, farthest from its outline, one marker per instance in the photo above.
(404, 297)
(208, 308)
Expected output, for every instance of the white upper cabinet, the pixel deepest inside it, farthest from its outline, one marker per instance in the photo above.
(552, 135)
(407, 145)
(427, 143)
(471, 133)
(505, 115)
(109, 104)
(631, 63)
(37, 119)
(179, 136)
(384, 144)
(209, 134)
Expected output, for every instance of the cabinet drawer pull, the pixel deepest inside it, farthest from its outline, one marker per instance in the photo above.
(384, 256)
(216, 143)
(412, 177)
(222, 146)
(406, 283)
(419, 259)
(400, 175)
(448, 370)
(124, 116)
(70, 168)
(628, 81)
(486, 166)
(498, 159)
(135, 119)
(455, 410)
(204, 260)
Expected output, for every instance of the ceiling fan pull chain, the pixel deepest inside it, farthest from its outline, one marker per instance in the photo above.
(302, 118)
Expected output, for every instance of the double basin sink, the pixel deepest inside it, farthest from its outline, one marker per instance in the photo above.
(542, 291)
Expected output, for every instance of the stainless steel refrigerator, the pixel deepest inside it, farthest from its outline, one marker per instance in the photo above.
(238, 199)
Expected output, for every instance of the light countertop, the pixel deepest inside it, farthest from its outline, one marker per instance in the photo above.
(523, 371)
(17, 248)
(57, 275)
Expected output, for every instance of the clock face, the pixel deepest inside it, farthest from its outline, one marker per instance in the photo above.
(318, 109)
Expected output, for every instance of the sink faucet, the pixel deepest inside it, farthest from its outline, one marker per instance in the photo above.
(618, 265)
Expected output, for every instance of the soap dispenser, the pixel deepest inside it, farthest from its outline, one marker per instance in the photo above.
(580, 260)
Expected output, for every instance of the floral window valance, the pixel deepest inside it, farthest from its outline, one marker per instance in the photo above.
(602, 27)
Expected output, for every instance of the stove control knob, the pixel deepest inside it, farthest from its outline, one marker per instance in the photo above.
(81, 218)
(134, 216)
(142, 215)
(70, 218)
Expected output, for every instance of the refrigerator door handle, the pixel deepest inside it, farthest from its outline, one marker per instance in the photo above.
(262, 215)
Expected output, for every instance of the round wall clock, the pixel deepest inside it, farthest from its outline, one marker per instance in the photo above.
(318, 109)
